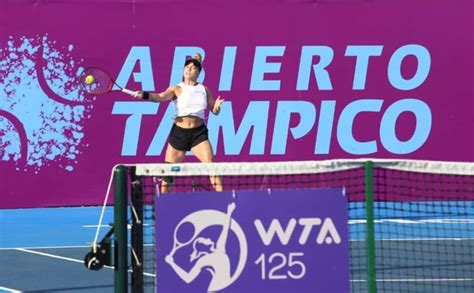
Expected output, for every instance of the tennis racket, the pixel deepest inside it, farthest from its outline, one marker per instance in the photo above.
(96, 81)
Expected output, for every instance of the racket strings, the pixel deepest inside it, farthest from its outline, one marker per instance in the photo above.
(100, 83)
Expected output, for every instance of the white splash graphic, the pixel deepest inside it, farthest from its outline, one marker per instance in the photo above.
(42, 112)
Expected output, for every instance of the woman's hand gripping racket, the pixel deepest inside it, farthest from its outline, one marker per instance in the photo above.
(96, 81)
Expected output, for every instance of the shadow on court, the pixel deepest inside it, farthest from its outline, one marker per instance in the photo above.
(51, 270)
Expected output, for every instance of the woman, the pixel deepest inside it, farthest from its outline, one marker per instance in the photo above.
(189, 131)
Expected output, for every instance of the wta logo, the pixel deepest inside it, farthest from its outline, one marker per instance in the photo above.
(42, 111)
(195, 250)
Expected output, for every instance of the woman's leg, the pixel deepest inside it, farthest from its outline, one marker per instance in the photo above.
(203, 151)
(172, 156)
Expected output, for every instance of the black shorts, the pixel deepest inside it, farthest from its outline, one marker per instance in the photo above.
(184, 139)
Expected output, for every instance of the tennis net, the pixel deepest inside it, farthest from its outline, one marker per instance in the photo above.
(411, 223)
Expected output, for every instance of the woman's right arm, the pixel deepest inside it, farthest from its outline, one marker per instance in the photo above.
(168, 94)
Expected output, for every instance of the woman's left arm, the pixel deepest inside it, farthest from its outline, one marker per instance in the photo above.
(213, 105)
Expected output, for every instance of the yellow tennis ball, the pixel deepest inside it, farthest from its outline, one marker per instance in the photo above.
(89, 79)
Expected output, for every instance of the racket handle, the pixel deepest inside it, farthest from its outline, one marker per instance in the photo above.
(128, 92)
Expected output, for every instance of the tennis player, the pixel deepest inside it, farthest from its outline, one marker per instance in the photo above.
(189, 132)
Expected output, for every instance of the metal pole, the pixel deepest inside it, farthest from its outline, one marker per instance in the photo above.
(370, 236)
(120, 229)
(136, 240)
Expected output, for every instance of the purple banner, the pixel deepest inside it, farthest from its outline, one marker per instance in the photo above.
(302, 80)
(257, 241)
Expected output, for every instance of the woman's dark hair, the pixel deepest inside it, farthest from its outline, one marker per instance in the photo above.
(195, 62)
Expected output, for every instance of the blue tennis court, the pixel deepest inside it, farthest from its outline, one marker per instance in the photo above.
(42, 250)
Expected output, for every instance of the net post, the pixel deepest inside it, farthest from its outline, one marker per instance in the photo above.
(137, 240)
(120, 229)
(370, 233)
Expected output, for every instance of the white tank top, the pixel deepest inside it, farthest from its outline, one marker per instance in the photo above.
(192, 101)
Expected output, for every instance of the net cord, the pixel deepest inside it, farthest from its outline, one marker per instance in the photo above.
(301, 167)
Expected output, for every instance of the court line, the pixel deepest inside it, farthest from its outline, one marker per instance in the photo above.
(55, 247)
(70, 259)
(50, 255)
(129, 226)
(446, 221)
(415, 239)
(418, 280)
(10, 290)
(44, 247)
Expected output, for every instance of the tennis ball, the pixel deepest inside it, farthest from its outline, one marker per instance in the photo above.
(89, 79)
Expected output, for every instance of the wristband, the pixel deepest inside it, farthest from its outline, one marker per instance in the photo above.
(146, 95)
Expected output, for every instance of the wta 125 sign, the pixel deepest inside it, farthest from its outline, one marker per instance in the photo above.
(253, 241)
(292, 118)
